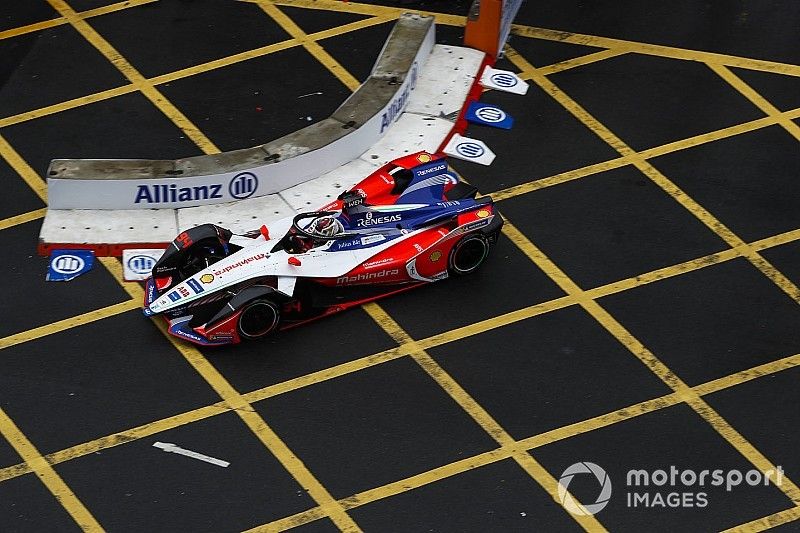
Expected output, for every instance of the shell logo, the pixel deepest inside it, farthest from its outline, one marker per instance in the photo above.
(435, 256)
(424, 158)
(207, 278)
(483, 213)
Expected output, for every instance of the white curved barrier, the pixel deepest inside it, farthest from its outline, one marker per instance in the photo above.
(428, 116)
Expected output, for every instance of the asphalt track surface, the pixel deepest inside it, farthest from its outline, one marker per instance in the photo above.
(640, 310)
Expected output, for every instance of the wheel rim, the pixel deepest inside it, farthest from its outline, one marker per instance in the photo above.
(258, 319)
(469, 255)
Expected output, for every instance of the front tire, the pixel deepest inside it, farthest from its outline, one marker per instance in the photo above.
(259, 318)
(468, 254)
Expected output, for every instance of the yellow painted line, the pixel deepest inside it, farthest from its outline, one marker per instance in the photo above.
(141, 83)
(34, 181)
(112, 8)
(767, 522)
(588, 59)
(30, 28)
(748, 92)
(675, 146)
(433, 341)
(644, 166)
(562, 36)
(475, 410)
(62, 493)
(45, 24)
(369, 9)
(22, 218)
(68, 323)
(66, 105)
(186, 72)
(689, 395)
(236, 402)
(264, 50)
(289, 522)
(656, 50)
(319, 53)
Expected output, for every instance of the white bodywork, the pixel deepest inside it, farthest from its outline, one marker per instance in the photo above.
(256, 260)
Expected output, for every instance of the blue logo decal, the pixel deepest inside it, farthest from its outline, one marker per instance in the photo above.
(192, 283)
(141, 264)
(488, 115)
(502, 79)
(69, 264)
(433, 168)
(243, 185)
(174, 296)
(470, 149)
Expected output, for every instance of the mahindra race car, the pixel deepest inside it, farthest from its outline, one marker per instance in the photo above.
(409, 223)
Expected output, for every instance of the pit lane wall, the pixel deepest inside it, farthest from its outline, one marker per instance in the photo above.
(446, 81)
(278, 165)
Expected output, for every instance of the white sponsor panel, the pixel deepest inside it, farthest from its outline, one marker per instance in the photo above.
(137, 263)
(190, 191)
(503, 80)
(469, 149)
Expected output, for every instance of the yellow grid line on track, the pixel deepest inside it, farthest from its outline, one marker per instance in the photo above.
(655, 175)
(140, 82)
(312, 46)
(648, 358)
(236, 402)
(767, 522)
(671, 147)
(427, 343)
(561, 36)
(737, 246)
(22, 218)
(59, 21)
(532, 442)
(737, 83)
(69, 323)
(62, 493)
(188, 71)
(482, 417)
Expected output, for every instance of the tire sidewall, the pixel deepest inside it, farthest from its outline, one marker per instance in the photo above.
(469, 240)
(260, 304)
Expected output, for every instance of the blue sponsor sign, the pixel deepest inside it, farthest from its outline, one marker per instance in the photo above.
(69, 264)
(489, 115)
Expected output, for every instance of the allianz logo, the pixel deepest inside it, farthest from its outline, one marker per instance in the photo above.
(141, 264)
(241, 186)
(395, 108)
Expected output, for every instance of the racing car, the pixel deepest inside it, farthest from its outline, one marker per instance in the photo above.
(409, 223)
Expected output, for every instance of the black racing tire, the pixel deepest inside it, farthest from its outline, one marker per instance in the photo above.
(259, 318)
(468, 254)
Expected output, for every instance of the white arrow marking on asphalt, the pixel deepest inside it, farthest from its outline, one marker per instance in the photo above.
(173, 448)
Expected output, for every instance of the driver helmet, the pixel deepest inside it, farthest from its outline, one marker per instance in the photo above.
(327, 226)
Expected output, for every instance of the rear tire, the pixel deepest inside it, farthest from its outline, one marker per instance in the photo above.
(468, 254)
(259, 318)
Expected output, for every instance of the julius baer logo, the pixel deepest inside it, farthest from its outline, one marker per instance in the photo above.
(241, 186)
(662, 488)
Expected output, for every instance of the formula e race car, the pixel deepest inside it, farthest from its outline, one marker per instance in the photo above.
(410, 222)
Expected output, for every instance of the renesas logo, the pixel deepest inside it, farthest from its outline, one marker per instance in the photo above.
(369, 276)
(397, 105)
(241, 186)
(372, 220)
(437, 168)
